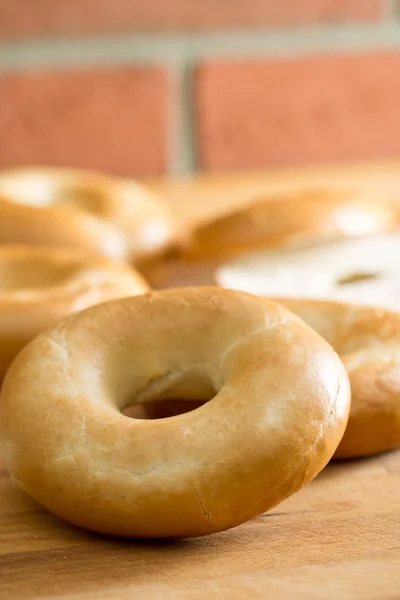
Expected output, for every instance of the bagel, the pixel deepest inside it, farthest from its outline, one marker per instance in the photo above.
(363, 270)
(67, 207)
(368, 342)
(294, 220)
(279, 407)
(40, 285)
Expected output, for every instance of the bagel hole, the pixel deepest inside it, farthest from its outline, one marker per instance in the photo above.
(29, 274)
(82, 197)
(357, 277)
(170, 395)
(162, 409)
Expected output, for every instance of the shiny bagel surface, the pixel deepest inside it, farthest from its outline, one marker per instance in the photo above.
(115, 217)
(279, 406)
(40, 285)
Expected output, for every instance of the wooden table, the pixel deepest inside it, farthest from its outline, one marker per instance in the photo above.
(337, 538)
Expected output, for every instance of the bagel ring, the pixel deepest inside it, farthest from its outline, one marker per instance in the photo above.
(293, 220)
(69, 207)
(368, 342)
(280, 407)
(40, 285)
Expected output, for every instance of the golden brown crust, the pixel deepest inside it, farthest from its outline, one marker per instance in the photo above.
(368, 342)
(40, 285)
(67, 207)
(280, 408)
(293, 220)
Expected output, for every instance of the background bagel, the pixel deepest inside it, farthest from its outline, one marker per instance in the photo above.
(69, 207)
(368, 342)
(40, 285)
(364, 270)
(280, 402)
(294, 220)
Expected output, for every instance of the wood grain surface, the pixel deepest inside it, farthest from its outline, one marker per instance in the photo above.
(337, 538)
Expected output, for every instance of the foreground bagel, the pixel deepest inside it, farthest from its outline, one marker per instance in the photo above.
(368, 342)
(295, 220)
(116, 217)
(40, 285)
(280, 402)
(364, 270)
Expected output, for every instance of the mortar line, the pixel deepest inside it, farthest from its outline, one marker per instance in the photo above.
(182, 157)
(177, 48)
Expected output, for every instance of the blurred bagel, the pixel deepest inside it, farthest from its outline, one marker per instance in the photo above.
(69, 207)
(40, 285)
(292, 221)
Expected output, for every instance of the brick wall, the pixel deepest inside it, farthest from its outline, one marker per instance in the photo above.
(149, 87)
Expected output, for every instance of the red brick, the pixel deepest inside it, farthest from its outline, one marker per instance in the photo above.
(109, 119)
(303, 110)
(19, 18)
